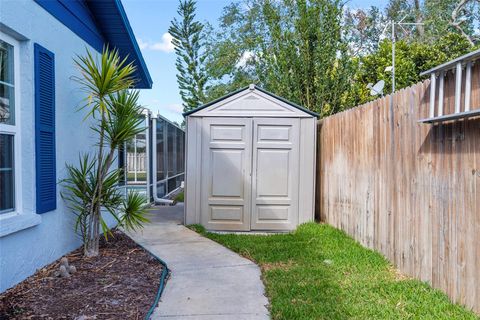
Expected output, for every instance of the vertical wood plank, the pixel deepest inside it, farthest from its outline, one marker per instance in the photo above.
(406, 189)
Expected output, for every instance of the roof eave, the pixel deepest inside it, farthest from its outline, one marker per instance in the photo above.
(144, 80)
(147, 81)
(186, 114)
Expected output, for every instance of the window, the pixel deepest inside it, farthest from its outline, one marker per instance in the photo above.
(160, 152)
(7, 181)
(9, 132)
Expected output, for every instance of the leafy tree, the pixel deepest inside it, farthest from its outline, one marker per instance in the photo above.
(292, 48)
(363, 30)
(439, 17)
(188, 39)
(417, 48)
(322, 55)
(91, 188)
(411, 59)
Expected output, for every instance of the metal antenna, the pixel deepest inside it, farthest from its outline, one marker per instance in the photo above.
(393, 24)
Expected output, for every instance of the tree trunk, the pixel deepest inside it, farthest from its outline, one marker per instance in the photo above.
(91, 244)
(419, 19)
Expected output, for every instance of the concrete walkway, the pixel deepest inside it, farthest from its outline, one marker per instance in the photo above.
(207, 280)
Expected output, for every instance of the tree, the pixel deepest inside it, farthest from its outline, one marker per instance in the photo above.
(91, 189)
(411, 59)
(188, 39)
(439, 17)
(363, 30)
(322, 55)
(292, 48)
(418, 48)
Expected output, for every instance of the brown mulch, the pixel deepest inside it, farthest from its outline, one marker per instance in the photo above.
(121, 283)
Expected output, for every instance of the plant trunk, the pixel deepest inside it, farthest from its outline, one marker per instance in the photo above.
(91, 246)
(91, 242)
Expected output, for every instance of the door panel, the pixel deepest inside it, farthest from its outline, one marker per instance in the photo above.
(226, 167)
(272, 173)
(225, 164)
(275, 174)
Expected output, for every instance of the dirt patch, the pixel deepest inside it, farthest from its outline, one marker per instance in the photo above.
(277, 265)
(121, 283)
(398, 275)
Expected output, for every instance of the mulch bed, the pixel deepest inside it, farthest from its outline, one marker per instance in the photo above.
(121, 283)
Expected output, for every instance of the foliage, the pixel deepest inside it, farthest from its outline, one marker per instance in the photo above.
(411, 59)
(318, 272)
(292, 48)
(91, 189)
(322, 54)
(180, 197)
(364, 27)
(188, 38)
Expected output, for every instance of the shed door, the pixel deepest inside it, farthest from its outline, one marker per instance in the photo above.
(226, 167)
(275, 174)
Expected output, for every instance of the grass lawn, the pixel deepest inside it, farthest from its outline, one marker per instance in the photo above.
(180, 197)
(141, 176)
(318, 272)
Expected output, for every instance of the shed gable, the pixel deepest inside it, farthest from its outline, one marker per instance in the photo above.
(250, 102)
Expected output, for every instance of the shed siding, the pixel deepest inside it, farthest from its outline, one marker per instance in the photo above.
(252, 104)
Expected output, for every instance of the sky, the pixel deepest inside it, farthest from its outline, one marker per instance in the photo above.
(150, 20)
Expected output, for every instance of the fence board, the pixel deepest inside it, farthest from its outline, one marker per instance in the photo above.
(406, 189)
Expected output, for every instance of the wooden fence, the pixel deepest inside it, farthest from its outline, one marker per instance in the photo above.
(408, 190)
(136, 162)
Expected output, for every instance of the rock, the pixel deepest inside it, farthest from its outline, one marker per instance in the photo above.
(63, 272)
(72, 269)
(64, 262)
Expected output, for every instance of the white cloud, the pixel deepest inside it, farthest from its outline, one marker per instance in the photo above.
(174, 107)
(164, 45)
(142, 44)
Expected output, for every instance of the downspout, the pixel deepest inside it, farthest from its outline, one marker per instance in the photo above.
(147, 154)
(156, 199)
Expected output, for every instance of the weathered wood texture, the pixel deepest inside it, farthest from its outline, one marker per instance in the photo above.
(408, 190)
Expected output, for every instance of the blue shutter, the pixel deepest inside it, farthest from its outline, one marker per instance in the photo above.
(46, 184)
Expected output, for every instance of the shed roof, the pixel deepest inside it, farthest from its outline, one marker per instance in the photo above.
(251, 88)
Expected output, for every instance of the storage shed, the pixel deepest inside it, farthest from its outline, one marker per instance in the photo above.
(250, 163)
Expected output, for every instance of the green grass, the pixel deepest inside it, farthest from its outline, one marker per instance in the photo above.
(179, 197)
(318, 272)
(141, 176)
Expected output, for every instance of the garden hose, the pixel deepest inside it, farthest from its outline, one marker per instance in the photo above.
(163, 278)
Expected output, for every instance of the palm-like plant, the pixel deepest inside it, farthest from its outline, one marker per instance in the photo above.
(91, 189)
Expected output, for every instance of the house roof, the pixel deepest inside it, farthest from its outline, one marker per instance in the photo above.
(251, 87)
(100, 23)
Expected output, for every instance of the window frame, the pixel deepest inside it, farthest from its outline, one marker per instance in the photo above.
(15, 129)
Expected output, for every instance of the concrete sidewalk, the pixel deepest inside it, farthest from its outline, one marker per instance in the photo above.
(207, 280)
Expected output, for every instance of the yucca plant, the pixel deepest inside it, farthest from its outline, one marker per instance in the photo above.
(91, 189)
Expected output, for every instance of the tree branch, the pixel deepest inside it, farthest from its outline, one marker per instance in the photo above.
(457, 23)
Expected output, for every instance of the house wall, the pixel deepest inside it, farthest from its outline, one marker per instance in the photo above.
(24, 251)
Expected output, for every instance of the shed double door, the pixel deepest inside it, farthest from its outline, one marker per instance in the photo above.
(250, 173)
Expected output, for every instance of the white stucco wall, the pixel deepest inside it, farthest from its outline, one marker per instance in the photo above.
(25, 251)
